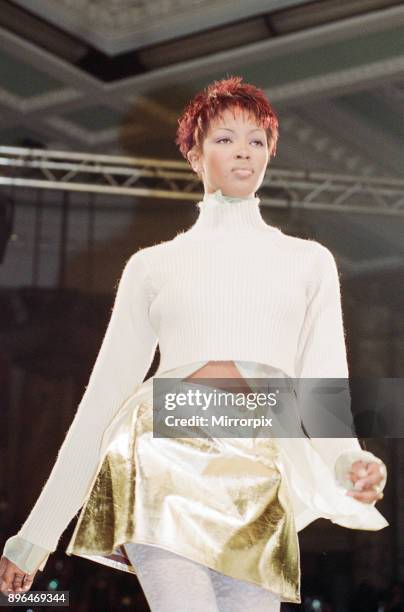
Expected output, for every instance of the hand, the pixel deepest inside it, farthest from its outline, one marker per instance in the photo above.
(12, 579)
(366, 476)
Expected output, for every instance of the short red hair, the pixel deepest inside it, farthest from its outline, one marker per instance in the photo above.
(218, 96)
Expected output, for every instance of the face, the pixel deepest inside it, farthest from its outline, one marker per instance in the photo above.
(234, 155)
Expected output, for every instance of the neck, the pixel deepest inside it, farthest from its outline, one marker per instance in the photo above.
(219, 212)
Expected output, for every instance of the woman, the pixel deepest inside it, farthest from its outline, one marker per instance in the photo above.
(207, 523)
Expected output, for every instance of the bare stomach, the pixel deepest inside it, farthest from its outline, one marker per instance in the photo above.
(221, 369)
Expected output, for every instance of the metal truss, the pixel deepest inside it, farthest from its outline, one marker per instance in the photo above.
(157, 178)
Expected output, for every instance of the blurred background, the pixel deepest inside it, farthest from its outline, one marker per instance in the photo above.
(90, 93)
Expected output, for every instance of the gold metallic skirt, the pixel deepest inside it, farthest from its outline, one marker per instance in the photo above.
(221, 502)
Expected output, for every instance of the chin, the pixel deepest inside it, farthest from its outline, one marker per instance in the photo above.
(240, 186)
(236, 193)
(241, 193)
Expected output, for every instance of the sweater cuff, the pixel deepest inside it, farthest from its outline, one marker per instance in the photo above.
(27, 556)
(343, 464)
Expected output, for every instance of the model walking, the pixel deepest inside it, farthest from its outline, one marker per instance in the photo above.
(207, 524)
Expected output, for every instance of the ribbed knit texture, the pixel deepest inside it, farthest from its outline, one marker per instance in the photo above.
(235, 287)
(232, 287)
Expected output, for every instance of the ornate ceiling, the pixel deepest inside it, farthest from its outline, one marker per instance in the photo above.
(112, 76)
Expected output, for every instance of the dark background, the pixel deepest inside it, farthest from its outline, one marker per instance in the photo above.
(98, 78)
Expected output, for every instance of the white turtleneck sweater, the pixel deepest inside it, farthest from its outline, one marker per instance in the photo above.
(231, 287)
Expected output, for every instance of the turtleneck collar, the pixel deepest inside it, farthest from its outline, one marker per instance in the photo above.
(220, 212)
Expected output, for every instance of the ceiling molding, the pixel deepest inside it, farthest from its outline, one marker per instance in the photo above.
(38, 103)
(115, 28)
(370, 142)
(237, 59)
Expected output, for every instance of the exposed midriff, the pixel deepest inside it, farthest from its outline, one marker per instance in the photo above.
(223, 370)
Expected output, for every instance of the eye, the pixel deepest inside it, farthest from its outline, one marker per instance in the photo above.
(224, 138)
(260, 142)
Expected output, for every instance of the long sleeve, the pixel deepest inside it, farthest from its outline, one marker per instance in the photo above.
(322, 354)
(28, 557)
(321, 349)
(123, 360)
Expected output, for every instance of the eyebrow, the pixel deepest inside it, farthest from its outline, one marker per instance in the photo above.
(229, 130)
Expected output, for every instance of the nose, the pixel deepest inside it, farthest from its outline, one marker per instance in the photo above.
(245, 156)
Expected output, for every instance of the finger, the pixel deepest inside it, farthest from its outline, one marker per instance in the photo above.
(2, 573)
(359, 468)
(6, 587)
(352, 476)
(368, 483)
(8, 578)
(371, 470)
(3, 564)
(355, 476)
(29, 579)
(2, 582)
(374, 478)
(365, 496)
(379, 470)
(18, 582)
(374, 466)
(358, 475)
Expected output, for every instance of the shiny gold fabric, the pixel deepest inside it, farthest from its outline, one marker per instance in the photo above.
(220, 502)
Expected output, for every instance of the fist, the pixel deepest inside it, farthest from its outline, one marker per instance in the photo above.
(366, 477)
(12, 579)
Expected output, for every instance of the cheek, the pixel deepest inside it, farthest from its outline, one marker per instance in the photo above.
(263, 153)
(218, 163)
(263, 158)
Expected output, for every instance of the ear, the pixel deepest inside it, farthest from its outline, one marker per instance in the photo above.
(193, 157)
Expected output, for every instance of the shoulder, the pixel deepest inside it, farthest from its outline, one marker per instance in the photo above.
(311, 250)
(146, 254)
(323, 270)
(325, 261)
(314, 261)
(143, 261)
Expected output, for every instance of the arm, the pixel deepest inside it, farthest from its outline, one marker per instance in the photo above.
(27, 556)
(124, 358)
(322, 354)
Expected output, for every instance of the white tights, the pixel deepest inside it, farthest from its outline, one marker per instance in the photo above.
(172, 583)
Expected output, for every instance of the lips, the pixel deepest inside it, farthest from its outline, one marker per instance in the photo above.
(243, 173)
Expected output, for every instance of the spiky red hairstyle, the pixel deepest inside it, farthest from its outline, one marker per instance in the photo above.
(193, 124)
